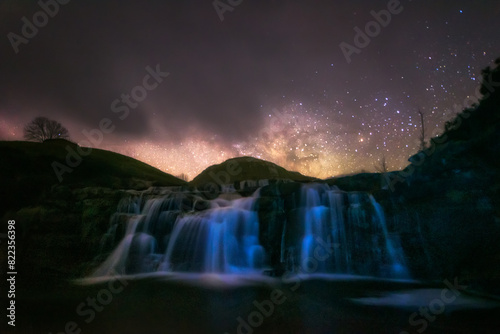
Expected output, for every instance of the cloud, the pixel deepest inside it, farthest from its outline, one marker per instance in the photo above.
(89, 54)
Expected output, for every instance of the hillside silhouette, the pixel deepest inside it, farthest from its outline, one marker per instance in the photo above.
(27, 173)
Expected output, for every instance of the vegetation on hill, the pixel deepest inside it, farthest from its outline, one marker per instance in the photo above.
(42, 128)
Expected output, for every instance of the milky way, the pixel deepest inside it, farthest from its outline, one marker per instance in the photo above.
(269, 81)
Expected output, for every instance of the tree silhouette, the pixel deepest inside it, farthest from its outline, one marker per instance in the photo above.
(381, 166)
(183, 176)
(42, 128)
(422, 131)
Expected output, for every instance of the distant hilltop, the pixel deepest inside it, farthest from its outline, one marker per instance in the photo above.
(241, 169)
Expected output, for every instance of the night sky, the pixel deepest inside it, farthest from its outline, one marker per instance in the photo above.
(270, 80)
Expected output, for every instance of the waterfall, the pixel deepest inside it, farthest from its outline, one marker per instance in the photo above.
(324, 230)
(170, 235)
(397, 261)
(346, 233)
(116, 262)
(223, 240)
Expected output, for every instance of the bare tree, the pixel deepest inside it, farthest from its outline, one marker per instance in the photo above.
(422, 131)
(42, 128)
(381, 166)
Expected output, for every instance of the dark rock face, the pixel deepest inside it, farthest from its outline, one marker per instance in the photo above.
(271, 224)
(447, 201)
(59, 238)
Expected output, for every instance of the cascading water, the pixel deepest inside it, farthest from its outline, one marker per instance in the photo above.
(331, 231)
(346, 233)
(223, 240)
(170, 235)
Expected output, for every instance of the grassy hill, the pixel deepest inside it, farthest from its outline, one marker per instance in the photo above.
(245, 168)
(26, 171)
